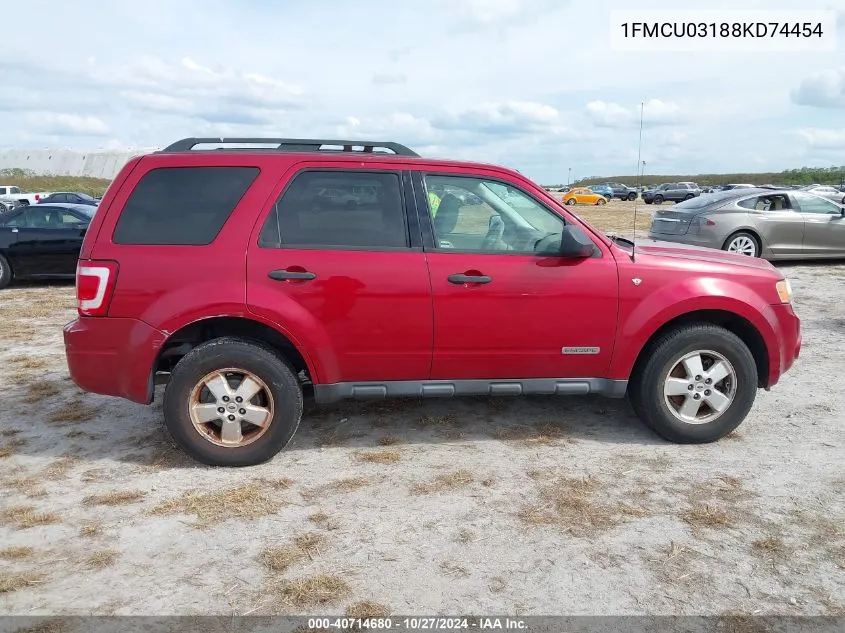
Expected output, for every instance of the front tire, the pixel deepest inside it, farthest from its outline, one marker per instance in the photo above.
(570, 202)
(695, 385)
(601, 201)
(231, 402)
(632, 196)
(658, 199)
(5, 272)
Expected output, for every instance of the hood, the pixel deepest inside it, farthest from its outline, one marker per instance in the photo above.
(699, 253)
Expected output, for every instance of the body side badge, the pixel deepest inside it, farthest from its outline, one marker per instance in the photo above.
(637, 281)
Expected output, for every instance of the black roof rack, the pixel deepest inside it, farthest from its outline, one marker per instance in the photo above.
(293, 145)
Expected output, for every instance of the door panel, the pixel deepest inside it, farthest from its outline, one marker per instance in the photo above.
(520, 323)
(782, 231)
(500, 310)
(339, 273)
(824, 227)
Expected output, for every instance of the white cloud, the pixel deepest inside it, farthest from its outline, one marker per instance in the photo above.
(654, 112)
(67, 124)
(820, 138)
(157, 102)
(824, 89)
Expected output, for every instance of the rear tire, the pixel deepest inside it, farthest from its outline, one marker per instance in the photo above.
(570, 202)
(632, 196)
(743, 243)
(276, 404)
(663, 372)
(601, 201)
(5, 272)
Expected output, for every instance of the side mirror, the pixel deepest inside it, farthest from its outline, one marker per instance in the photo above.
(571, 243)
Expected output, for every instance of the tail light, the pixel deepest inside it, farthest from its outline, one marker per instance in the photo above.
(95, 282)
(37, 197)
(710, 222)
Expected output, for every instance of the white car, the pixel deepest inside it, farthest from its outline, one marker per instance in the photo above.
(13, 194)
(832, 193)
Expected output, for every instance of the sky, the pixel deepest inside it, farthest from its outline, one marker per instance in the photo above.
(531, 84)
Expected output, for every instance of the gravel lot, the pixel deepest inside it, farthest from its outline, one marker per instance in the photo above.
(523, 506)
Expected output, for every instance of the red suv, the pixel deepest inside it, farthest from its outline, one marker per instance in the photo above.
(242, 276)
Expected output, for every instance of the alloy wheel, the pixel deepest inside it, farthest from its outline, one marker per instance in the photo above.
(700, 387)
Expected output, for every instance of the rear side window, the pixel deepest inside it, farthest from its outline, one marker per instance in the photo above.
(338, 209)
(182, 205)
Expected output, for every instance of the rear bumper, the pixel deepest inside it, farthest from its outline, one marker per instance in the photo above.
(113, 356)
(782, 359)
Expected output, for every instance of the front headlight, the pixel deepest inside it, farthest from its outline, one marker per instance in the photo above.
(784, 289)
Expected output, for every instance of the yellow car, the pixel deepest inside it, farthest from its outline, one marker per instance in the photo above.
(582, 195)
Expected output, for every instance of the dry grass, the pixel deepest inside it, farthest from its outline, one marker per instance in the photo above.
(11, 447)
(101, 559)
(28, 362)
(73, 412)
(571, 503)
(23, 517)
(306, 545)
(12, 580)
(350, 484)
(279, 483)
(437, 420)
(116, 498)
(59, 468)
(465, 536)
(310, 591)
(366, 610)
(91, 529)
(15, 553)
(10, 432)
(378, 457)
(453, 569)
(26, 484)
(616, 216)
(446, 481)
(55, 625)
(39, 391)
(246, 502)
(544, 433)
(707, 516)
(324, 521)
(389, 440)
(769, 546)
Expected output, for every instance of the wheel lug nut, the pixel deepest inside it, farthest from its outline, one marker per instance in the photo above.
(708, 381)
(242, 411)
(231, 418)
(239, 399)
(221, 410)
(698, 378)
(690, 387)
(225, 398)
(697, 396)
(707, 392)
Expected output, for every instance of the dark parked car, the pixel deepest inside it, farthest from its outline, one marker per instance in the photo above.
(672, 191)
(42, 241)
(71, 198)
(767, 223)
(623, 192)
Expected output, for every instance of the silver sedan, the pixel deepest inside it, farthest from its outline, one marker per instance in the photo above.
(772, 224)
(837, 194)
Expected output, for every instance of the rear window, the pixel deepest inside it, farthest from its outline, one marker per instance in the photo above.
(182, 205)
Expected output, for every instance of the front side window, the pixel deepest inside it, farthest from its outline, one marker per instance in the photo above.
(182, 205)
(766, 203)
(808, 203)
(476, 214)
(338, 209)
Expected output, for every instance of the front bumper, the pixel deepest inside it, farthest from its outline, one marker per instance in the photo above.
(790, 339)
(113, 356)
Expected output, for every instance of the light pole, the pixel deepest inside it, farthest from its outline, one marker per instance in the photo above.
(569, 177)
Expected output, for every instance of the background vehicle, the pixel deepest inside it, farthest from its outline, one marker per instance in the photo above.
(583, 195)
(837, 194)
(773, 224)
(42, 241)
(671, 192)
(13, 193)
(71, 198)
(617, 190)
(248, 297)
(603, 190)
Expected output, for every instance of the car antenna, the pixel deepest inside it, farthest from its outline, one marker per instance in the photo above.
(639, 193)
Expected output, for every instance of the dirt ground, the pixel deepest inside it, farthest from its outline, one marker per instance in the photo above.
(474, 506)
